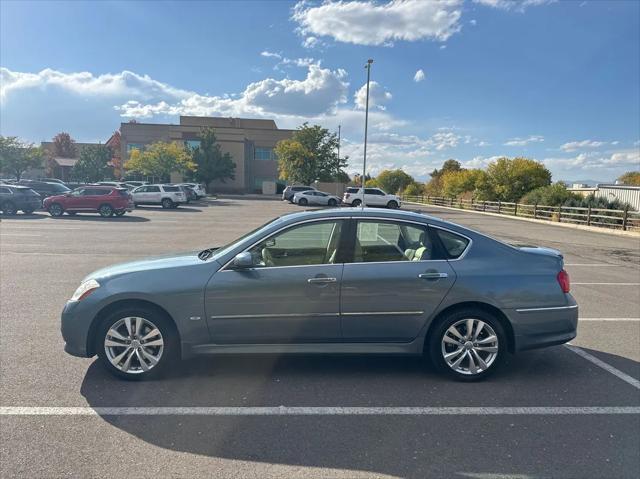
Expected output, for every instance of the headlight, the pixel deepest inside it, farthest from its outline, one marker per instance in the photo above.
(85, 289)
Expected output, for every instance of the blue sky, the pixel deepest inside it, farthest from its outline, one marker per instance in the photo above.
(558, 81)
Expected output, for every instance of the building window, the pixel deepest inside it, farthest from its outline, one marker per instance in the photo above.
(134, 146)
(265, 154)
(192, 144)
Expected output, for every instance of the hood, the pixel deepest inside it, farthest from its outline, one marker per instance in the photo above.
(147, 264)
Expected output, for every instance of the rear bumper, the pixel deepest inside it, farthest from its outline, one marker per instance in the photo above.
(540, 327)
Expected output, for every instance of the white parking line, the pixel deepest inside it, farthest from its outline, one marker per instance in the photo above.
(603, 284)
(631, 320)
(600, 265)
(313, 411)
(607, 367)
(18, 234)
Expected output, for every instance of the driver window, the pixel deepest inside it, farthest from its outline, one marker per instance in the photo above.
(309, 244)
(78, 192)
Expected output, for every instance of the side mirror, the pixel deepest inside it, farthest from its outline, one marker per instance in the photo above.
(243, 260)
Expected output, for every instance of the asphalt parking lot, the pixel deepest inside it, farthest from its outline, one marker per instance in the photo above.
(558, 412)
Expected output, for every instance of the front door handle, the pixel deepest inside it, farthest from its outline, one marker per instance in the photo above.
(321, 280)
(433, 275)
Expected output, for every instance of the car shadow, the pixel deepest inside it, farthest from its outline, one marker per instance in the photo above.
(22, 216)
(180, 209)
(378, 444)
(127, 218)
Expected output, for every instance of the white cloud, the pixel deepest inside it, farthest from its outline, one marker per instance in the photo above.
(597, 161)
(517, 5)
(378, 97)
(268, 54)
(524, 141)
(369, 23)
(311, 42)
(473, 22)
(580, 145)
(419, 76)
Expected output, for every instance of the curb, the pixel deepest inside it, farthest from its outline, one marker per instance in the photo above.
(631, 234)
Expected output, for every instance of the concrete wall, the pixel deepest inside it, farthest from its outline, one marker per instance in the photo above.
(337, 189)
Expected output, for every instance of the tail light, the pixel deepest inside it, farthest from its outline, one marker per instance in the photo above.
(564, 281)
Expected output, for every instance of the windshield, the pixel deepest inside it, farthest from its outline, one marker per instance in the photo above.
(58, 188)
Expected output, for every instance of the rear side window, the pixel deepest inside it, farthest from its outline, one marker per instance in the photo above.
(171, 188)
(152, 189)
(454, 245)
(352, 190)
(123, 192)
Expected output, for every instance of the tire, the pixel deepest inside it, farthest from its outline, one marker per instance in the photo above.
(120, 212)
(492, 354)
(71, 213)
(9, 208)
(28, 211)
(166, 203)
(303, 202)
(332, 202)
(56, 210)
(356, 203)
(106, 211)
(159, 356)
(392, 205)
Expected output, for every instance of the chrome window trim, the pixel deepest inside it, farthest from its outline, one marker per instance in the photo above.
(264, 238)
(553, 308)
(466, 250)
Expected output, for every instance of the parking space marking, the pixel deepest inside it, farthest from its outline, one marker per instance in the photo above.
(607, 367)
(18, 234)
(610, 319)
(600, 265)
(314, 411)
(605, 284)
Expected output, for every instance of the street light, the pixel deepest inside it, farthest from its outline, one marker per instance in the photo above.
(366, 125)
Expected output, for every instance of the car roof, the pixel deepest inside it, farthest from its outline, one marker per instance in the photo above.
(17, 187)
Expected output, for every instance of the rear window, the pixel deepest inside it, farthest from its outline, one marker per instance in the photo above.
(302, 188)
(171, 188)
(26, 192)
(454, 244)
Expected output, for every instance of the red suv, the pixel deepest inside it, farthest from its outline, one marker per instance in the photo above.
(106, 200)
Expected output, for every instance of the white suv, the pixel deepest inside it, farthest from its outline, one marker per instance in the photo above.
(372, 197)
(169, 196)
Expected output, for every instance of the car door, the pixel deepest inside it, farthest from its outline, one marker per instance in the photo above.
(289, 295)
(74, 201)
(392, 282)
(372, 196)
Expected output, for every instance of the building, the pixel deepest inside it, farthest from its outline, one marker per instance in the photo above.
(250, 143)
(623, 193)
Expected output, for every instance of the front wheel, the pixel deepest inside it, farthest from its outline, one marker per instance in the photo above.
(28, 211)
(392, 204)
(120, 212)
(56, 210)
(106, 211)
(136, 343)
(303, 202)
(332, 202)
(167, 203)
(468, 344)
(356, 203)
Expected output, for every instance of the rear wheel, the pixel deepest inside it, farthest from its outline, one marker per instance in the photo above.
(468, 344)
(167, 203)
(56, 210)
(356, 203)
(392, 204)
(106, 211)
(9, 208)
(303, 202)
(136, 343)
(332, 202)
(28, 211)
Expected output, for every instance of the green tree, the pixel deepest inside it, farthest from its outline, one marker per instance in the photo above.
(160, 159)
(434, 186)
(460, 182)
(414, 189)
(309, 155)
(631, 178)
(16, 157)
(210, 163)
(63, 146)
(93, 164)
(551, 195)
(511, 179)
(394, 181)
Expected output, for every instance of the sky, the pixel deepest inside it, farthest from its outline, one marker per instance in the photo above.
(473, 80)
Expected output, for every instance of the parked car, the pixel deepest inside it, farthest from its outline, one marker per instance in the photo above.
(372, 197)
(313, 197)
(289, 192)
(117, 184)
(51, 180)
(106, 200)
(169, 196)
(135, 184)
(44, 188)
(199, 189)
(329, 281)
(189, 194)
(14, 198)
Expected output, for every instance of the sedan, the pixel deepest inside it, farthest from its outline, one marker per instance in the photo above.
(313, 197)
(348, 281)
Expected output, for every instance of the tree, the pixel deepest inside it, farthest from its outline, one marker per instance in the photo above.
(394, 181)
(93, 164)
(551, 195)
(457, 183)
(631, 178)
(63, 146)
(414, 189)
(17, 157)
(434, 186)
(511, 179)
(209, 161)
(309, 155)
(160, 159)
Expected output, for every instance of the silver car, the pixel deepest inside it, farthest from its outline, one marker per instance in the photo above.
(313, 197)
(328, 281)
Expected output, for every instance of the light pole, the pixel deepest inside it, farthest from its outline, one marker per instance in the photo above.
(366, 125)
(339, 128)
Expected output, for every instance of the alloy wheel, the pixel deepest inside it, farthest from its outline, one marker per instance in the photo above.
(470, 346)
(134, 345)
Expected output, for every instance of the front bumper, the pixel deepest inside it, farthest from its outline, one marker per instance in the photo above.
(540, 327)
(75, 322)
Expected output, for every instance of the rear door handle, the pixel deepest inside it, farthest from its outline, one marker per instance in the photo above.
(433, 275)
(321, 280)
